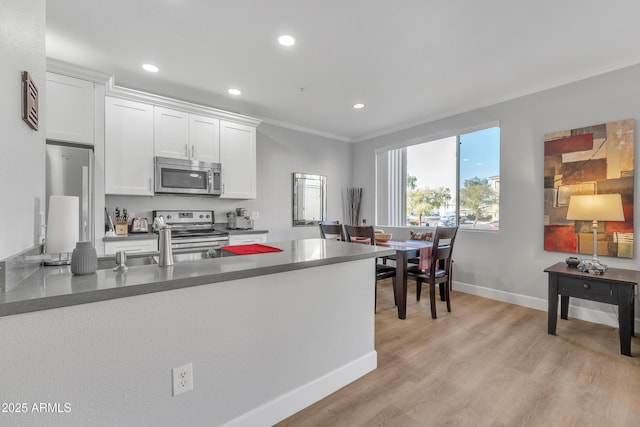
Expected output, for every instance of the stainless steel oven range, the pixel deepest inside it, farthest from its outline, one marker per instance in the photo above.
(193, 230)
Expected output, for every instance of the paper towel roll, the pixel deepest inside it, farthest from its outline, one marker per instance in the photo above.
(62, 224)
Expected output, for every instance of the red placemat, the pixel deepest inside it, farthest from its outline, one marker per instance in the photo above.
(254, 248)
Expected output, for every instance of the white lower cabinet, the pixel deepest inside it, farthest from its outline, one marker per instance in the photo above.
(130, 246)
(246, 239)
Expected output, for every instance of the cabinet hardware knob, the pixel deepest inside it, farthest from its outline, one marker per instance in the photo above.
(586, 285)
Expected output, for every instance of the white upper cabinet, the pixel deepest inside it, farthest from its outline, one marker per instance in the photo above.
(238, 159)
(204, 136)
(171, 133)
(129, 161)
(69, 109)
(186, 136)
(140, 126)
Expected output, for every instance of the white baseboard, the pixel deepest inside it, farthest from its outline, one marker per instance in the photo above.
(582, 313)
(289, 403)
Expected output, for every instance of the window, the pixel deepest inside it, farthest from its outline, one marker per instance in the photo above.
(450, 181)
(480, 179)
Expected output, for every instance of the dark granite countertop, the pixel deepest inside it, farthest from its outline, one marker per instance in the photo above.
(54, 287)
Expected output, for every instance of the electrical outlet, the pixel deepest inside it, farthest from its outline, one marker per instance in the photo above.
(182, 379)
(255, 215)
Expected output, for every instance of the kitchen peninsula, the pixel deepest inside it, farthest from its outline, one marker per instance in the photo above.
(267, 334)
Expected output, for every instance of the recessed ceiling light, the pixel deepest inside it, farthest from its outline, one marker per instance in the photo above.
(286, 40)
(151, 68)
(235, 92)
(358, 106)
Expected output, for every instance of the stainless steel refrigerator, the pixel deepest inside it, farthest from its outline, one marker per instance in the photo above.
(69, 172)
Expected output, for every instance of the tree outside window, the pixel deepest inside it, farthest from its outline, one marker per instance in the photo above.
(476, 197)
(424, 202)
(435, 167)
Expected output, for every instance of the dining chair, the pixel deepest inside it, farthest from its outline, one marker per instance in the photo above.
(439, 272)
(423, 236)
(366, 234)
(332, 231)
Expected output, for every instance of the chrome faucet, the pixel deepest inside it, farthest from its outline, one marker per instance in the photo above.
(121, 259)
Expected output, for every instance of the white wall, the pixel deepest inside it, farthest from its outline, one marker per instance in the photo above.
(258, 351)
(22, 153)
(280, 152)
(510, 263)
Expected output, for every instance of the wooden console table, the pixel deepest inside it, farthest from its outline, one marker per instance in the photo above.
(615, 286)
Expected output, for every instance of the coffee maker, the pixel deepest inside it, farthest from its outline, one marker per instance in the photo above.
(239, 220)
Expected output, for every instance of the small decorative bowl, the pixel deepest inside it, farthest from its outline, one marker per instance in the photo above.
(572, 262)
(383, 237)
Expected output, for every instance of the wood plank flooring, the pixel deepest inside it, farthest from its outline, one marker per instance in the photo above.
(486, 363)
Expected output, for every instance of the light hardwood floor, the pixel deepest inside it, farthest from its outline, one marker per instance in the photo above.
(486, 363)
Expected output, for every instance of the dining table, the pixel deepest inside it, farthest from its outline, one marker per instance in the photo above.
(406, 250)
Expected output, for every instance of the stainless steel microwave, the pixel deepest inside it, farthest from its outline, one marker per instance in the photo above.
(179, 176)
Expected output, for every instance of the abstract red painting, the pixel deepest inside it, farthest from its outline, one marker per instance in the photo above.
(591, 160)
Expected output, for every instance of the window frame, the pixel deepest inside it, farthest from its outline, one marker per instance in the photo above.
(424, 140)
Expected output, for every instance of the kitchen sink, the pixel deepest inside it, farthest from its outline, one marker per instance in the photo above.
(135, 260)
(110, 262)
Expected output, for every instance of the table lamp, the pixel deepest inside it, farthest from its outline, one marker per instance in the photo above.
(62, 227)
(596, 207)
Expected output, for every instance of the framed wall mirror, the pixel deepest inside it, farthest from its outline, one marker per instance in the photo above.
(309, 199)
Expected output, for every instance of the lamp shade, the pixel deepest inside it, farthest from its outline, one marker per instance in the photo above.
(599, 207)
(62, 224)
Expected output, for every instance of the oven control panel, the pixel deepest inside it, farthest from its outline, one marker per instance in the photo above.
(185, 217)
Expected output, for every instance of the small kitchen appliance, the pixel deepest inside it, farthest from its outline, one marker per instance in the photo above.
(191, 229)
(139, 225)
(179, 176)
(239, 220)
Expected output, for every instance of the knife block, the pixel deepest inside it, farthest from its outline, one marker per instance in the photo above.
(121, 229)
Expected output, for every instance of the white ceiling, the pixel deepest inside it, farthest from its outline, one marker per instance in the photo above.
(409, 61)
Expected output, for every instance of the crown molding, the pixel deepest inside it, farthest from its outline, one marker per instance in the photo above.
(71, 70)
(307, 130)
(175, 104)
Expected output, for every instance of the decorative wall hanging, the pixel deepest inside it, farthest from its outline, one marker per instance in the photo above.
(588, 161)
(29, 101)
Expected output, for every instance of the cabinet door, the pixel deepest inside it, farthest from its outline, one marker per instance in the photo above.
(238, 159)
(69, 109)
(171, 137)
(142, 245)
(204, 138)
(246, 239)
(128, 147)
